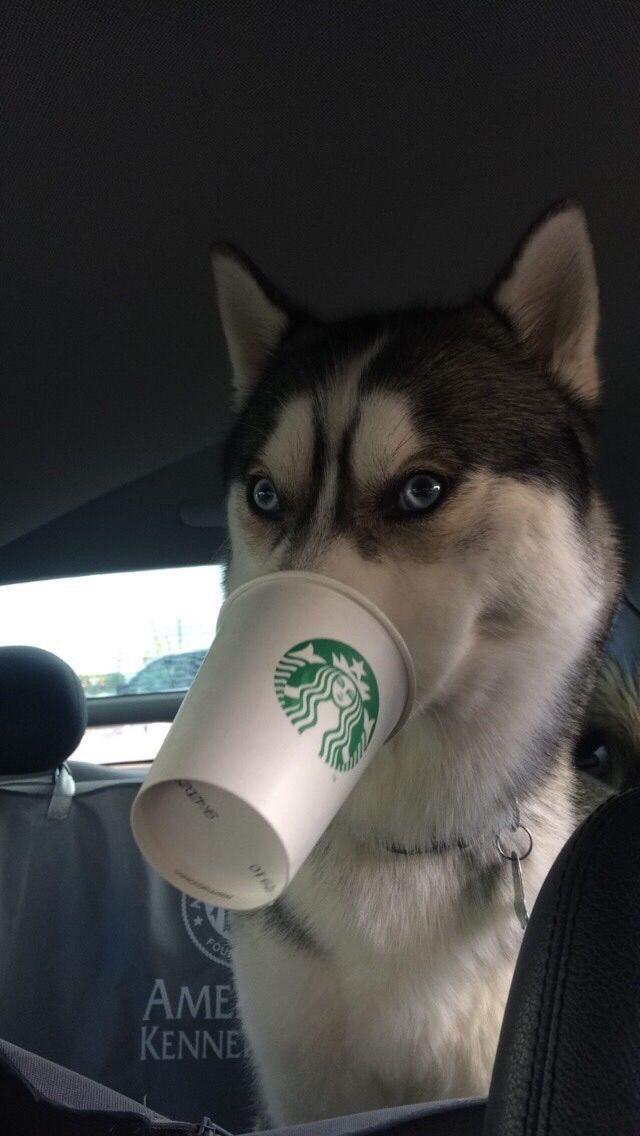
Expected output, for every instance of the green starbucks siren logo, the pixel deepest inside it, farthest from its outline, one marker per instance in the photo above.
(325, 686)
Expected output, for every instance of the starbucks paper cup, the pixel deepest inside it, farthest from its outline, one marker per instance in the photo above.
(306, 679)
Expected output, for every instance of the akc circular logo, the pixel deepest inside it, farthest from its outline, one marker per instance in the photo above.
(208, 928)
(325, 686)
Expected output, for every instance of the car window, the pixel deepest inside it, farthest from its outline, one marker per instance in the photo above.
(124, 633)
(131, 743)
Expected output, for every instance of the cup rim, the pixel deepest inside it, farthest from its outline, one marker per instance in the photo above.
(369, 606)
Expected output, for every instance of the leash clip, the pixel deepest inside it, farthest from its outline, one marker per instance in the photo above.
(515, 858)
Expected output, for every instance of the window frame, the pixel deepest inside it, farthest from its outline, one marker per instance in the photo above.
(134, 709)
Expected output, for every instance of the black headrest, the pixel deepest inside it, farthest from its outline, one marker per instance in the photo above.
(569, 1051)
(43, 710)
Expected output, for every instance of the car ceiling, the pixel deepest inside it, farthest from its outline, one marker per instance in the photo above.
(363, 154)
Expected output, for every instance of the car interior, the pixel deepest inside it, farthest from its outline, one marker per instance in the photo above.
(364, 154)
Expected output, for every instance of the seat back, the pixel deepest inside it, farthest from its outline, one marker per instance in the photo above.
(569, 1051)
(104, 967)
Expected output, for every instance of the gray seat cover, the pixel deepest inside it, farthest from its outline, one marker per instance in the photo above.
(104, 967)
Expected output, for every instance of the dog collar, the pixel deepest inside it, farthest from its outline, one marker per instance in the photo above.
(437, 848)
(500, 836)
(507, 847)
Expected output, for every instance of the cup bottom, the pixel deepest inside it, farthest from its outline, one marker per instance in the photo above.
(232, 858)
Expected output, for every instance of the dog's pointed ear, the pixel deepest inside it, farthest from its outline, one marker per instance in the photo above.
(550, 295)
(254, 316)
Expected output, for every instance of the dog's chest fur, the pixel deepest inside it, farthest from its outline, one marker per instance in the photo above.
(384, 975)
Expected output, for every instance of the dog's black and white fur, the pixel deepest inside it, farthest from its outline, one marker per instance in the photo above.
(381, 975)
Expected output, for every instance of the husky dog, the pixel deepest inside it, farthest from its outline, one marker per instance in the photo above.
(442, 463)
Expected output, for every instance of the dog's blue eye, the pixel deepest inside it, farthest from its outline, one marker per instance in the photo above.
(420, 492)
(263, 495)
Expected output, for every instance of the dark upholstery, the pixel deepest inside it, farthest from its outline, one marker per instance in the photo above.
(105, 968)
(40, 1096)
(43, 711)
(568, 1061)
